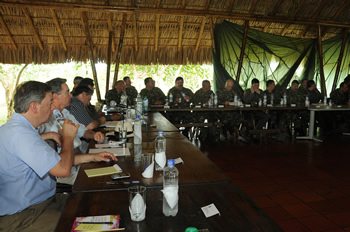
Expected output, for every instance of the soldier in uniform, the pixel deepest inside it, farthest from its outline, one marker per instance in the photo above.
(314, 95)
(154, 94)
(116, 93)
(252, 96)
(303, 88)
(183, 97)
(230, 119)
(340, 96)
(130, 90)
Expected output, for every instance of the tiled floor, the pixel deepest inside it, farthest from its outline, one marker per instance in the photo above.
(302, 185)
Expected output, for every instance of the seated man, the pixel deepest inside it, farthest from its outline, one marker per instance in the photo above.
(28, 165)
(91, 109)
(340, 96)
(230, 119)
(314, 95)
(116, 93)
(131, 91)
(81, 98)
(303, 88)
(154, 94)
(252, 96)
(76, 82)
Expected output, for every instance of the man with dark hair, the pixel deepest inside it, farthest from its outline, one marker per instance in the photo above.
(203, 94)
(131, 91)
(154, 94)
(252, 96)
(271, 91)
(81, 98)
(28, 164)
(87, 82)
(314, 95)
(76, 82)
(340, 96)
(116, 93)
(182, 96)
(303, 87)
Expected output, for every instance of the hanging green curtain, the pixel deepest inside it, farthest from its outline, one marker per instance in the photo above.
(268, 56)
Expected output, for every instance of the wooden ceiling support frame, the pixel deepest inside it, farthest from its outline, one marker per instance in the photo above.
(320, 57)
(59, 29)
(284, 30)
(119, 51)
(244, 41)
(156, 38)
(9, 36)
(31, 25)
(273, 13)
(201, 29)
(252, 8)
(316, 14)
(212, 25)
(134, 27)
(110, 29)
(90, 48)
(336, 15)
(181, 26)
(230, 7)
(340, 59)
(109, 56)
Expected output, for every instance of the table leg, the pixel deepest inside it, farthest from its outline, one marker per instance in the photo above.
(311, 128)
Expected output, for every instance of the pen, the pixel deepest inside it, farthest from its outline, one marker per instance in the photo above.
(121, 182)
(96, 222)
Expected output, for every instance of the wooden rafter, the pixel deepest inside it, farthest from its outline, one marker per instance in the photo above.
(316, 14)
(336, 15)
(134, 27)
(90, 48)
(284, 30)
(273, 13)
(212, 33)
(246, 26)
(201, 29)
(59, 29)
(183, 4)
(252, 8)
(110, 29)
(181, 26)
(31, 25)
(109, 56)
(9, 36)
(207, 5)
(320, 57)
(230, 7)
(340, 59)
(157, 33)
(179, 12)
(119, 51)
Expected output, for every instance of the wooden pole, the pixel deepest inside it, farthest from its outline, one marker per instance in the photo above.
(59, 29)
(32, 27)
(91, 53)
(320, 57)
(212, 33)
(340, 59)
(109, 55)
(9, 36)
(119, 51)
(201, 29)
(246, 26)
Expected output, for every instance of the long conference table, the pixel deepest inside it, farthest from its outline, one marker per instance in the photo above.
(201, 183)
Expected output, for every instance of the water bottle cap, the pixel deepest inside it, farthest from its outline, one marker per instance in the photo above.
(191, 229)
(171, 162)
(137, 116)
(160, 133)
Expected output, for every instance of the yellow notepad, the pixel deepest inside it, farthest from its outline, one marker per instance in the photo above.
(103, 171)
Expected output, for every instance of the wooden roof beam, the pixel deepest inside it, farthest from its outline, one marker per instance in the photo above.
(31, 25)
(9, 36)
(119, 51)
(201, 29)
(90, 48)
(273, 13)
(316, 14)
(181, 26)
(252, 8)
(59, 29)
(183, 4)
(157, 33)
(212, 25)
(134, 27)
(230, 7)
(284, 30)
(207, 5)
(336, 15)
(110, 29)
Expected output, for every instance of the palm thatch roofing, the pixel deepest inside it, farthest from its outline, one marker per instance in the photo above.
(150, 31)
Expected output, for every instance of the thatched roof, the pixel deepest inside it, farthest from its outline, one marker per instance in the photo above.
(164, 31)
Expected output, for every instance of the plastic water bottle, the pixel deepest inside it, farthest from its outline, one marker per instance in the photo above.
(160, 150)
(215, 100)
(235, 100)
(145, 105)
(170, 182)
(265, 99)
(325, 100)
(123, 99)
(139, 105)
(284, 99)
(171, 98)
(260, 102)
(307, 102)
(272, 98)
(137, 131)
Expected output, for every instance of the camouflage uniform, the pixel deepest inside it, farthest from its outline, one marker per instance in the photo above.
(274, 117)
(156, 94)
(314, 96)
(253, 99)
(131, 92)
(299, 118)
(230, 119)
(112, 94)
(181, 117)
(339, 98)
(302, 91)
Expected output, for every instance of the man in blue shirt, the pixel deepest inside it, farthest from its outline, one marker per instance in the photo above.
(28, 165)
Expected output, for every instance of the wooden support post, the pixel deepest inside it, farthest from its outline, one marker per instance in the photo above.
(180, 33)
(119, 51)
(320, 57)
(157, 33)
(134, 27)
(109, 55)
(59, 29)
(340, 59)
(90, 52)
(9, 36)
(35, 33)
(110, 28)
(212, 33)
(246, 26)
(201, 29)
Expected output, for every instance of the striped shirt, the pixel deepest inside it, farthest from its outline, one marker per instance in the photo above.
(78, 110)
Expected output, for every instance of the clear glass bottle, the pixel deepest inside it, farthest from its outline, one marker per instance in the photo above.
(137, 131)
(139, 105)
(160, 156)
(145, 105)
(170, 183)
